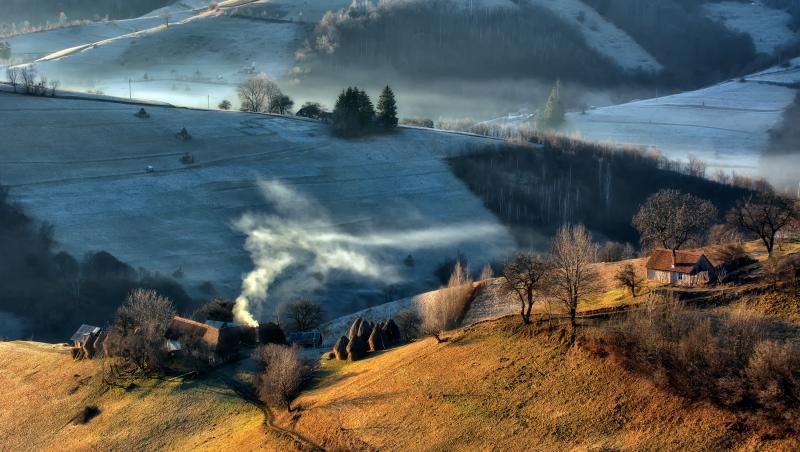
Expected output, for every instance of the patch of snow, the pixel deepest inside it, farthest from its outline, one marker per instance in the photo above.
(768, 27)
(602, 35)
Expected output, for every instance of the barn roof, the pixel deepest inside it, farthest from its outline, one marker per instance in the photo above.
(685, 261)
(180, 326)
(83, 331)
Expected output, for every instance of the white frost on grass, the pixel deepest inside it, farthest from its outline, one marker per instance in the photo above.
(81, 165)
(768, 27)
(602, 35)
(726, 125)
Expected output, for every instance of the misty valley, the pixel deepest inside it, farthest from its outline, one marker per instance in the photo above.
(400, 225)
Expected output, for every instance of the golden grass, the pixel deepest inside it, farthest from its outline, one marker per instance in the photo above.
(496, 386)
(44, 388)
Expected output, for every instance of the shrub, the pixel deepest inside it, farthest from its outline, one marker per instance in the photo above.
(408, 321)
(224, 105)
(217, 309)
(137, 335)
(302, 315)
(418, 122)
(730, 359)
(448, 305)
(311, 110)
(283, 376)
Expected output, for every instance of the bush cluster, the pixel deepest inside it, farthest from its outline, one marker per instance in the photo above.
(735, 361)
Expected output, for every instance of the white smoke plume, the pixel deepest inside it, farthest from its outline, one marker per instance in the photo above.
(298, 233)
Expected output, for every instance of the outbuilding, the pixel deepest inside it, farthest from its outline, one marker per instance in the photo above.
(679, 267)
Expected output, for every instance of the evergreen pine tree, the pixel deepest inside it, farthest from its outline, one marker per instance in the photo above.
(354, 113)
(387, 109)
(553, 113)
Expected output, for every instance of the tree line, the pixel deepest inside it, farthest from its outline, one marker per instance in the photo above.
(354, 113)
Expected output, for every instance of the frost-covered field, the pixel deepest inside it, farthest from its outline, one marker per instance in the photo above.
(727, 124)
(191, 63)
(768, 27)
(32, 46)
(80, 164)
(604, 36)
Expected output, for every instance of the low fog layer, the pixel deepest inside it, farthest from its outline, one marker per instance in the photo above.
(298, 245)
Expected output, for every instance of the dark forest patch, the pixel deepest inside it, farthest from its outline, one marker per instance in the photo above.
(535, 190)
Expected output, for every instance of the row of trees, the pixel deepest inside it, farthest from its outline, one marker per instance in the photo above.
(671, 219)
(30, 82)
(565, 275)
(354, 113)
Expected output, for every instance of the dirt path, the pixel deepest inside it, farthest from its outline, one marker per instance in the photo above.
(247, 394)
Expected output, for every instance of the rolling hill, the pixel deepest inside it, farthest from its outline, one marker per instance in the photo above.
(490, 384)
(81, 164)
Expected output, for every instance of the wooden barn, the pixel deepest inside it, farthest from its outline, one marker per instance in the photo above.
(222, 340)
(184, 333)
(86, 342)
(681, 268)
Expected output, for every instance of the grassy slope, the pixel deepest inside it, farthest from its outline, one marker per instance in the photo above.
(44, 388)
(492, 383)
(515, 391)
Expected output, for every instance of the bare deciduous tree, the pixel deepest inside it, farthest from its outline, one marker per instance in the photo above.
(764, 215)
(257, 94)
(572, 276)
(522, 275)
(12, 74)
(137, 335)
(628, 278)
(446, 307)
(302, 315)
(283, 375)
(54, 84)
(28, 77)
(672, 219)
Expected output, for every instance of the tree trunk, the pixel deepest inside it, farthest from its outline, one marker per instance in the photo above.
(530, 307)
(573, 311)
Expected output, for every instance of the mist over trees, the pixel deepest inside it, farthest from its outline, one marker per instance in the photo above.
(566, 181)
(54, 291)
(694, 49)
(425, 40)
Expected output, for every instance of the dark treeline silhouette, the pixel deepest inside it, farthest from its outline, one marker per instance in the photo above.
(55, 292)
(41, 11)
(569, 182)
(424, 40)
(694, 49)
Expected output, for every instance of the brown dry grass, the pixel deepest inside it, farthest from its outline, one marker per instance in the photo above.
(497, 386)
(44, 389)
